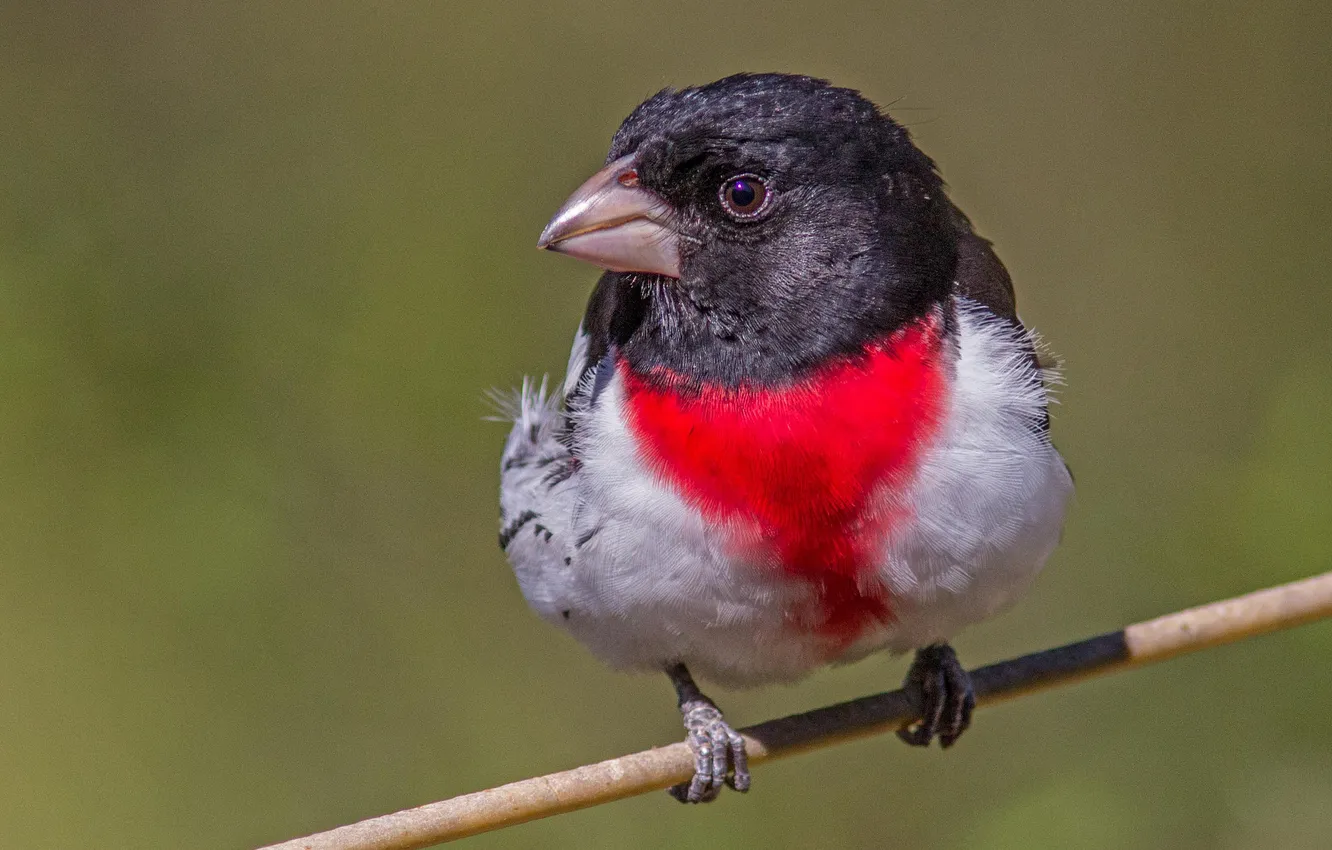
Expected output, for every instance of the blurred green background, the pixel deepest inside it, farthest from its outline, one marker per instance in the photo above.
(259, 261)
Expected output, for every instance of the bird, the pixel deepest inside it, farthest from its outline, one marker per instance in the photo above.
(801, 422)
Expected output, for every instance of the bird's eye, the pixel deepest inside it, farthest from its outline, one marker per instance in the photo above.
(744, 196)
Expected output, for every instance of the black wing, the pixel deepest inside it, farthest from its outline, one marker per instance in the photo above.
(980, 275)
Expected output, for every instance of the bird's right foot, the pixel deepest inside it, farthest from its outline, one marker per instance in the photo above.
(719, 750)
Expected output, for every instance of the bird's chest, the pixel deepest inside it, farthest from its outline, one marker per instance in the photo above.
(806, 476)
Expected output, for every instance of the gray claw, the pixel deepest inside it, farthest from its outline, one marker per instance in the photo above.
(719, 751)
(719, 754)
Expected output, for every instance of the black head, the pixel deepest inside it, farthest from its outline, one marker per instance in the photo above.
(801, 224)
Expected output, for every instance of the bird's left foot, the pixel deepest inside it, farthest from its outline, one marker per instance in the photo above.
(940, 689)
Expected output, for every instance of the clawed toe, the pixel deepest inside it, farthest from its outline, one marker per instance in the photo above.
(940, 689)
(719, 755)
(719, 751)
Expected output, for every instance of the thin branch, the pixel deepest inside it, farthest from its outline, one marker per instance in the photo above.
(1257, 613)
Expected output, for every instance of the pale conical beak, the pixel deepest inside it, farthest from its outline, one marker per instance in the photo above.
(612, 222)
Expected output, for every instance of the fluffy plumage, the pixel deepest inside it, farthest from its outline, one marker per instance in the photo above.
(827, 436)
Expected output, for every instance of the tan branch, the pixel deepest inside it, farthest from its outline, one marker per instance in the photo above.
(1231, 620)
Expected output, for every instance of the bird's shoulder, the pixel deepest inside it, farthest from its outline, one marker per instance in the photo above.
(980, 275)
(614, 311)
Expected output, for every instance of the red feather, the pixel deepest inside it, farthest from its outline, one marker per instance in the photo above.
(803, 473)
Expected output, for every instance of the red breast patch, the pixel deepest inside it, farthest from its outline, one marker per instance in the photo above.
(803, 472)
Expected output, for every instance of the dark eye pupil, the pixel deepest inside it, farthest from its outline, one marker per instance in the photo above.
(743, 193)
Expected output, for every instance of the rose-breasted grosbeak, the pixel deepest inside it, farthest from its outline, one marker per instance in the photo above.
(801, 423)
